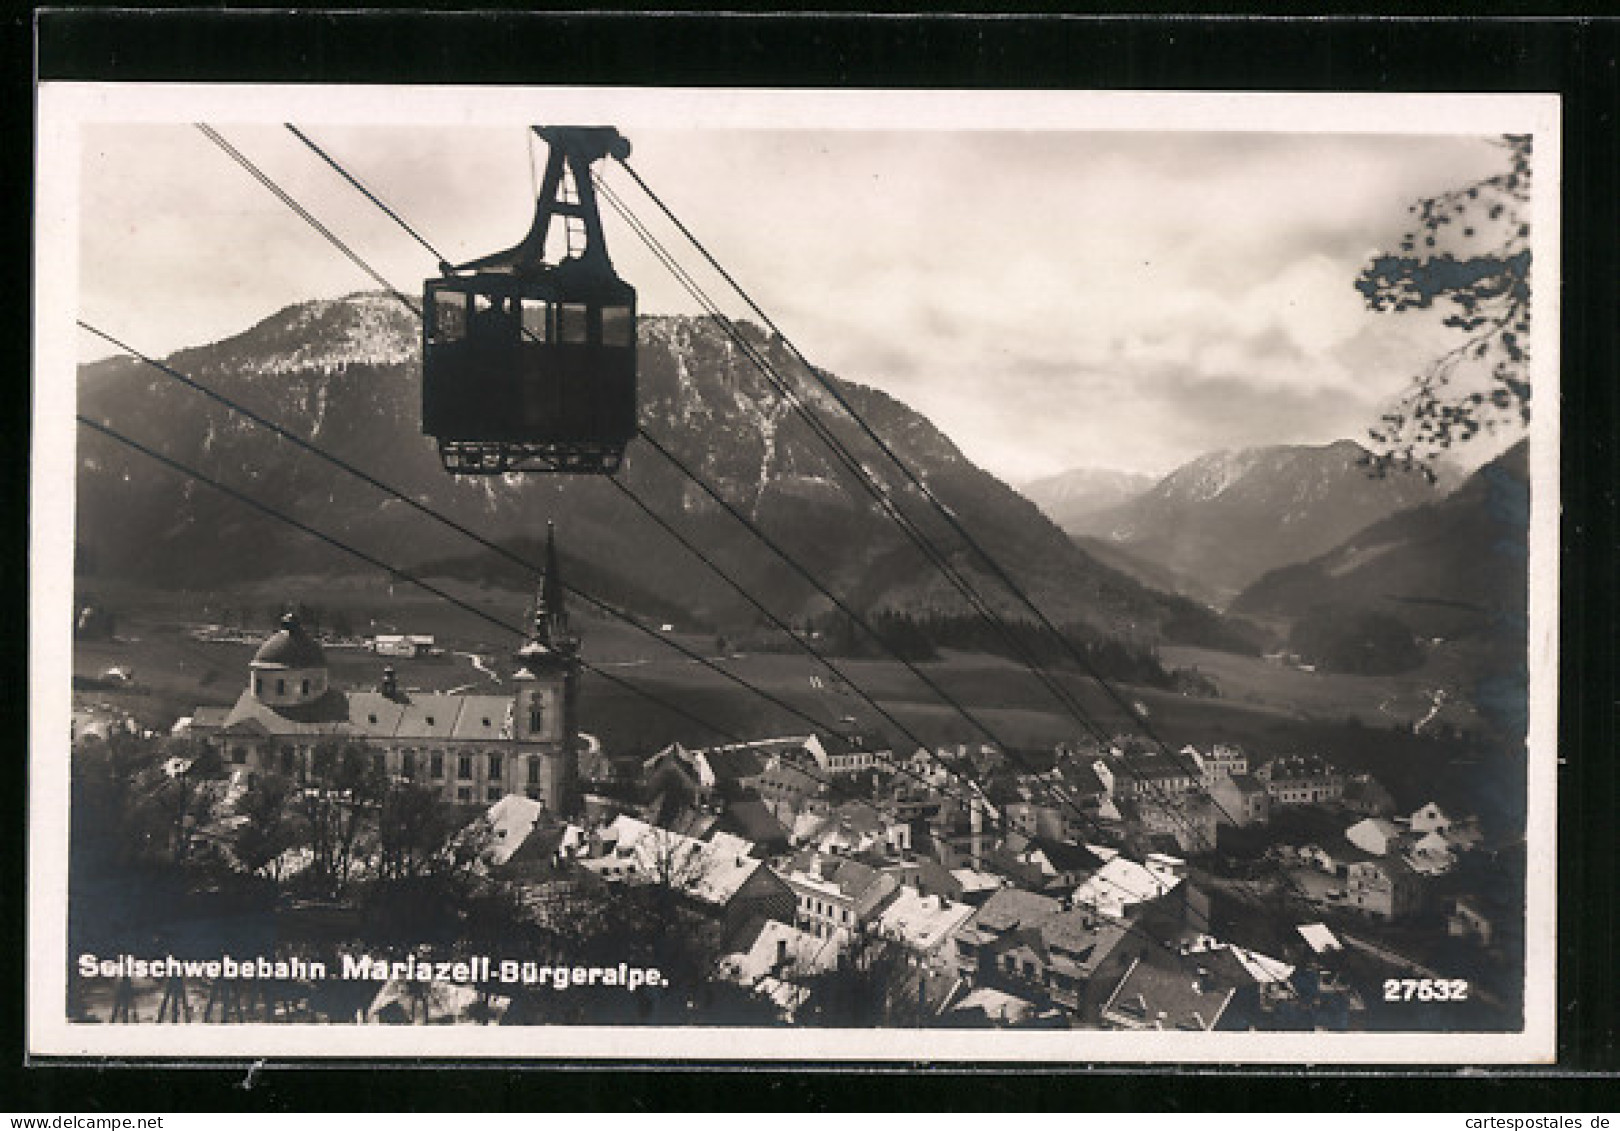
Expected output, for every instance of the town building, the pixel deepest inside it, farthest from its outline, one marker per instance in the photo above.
(1429, 819)
(1466, 919)
(721, 876)
(1385, 887)
(472, 749)
(1242, 800)
(1037, 948)
(1158, 992)
(1221, 761)
(925, 925)
(836, 897)
(1375, 835)
(1301, 779)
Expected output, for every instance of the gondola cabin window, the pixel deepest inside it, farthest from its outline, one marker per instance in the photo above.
(573, 325)
(536, 315)
(449, 316)
(617, 326)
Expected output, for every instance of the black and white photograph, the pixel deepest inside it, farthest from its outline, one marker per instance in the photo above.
(814, 575)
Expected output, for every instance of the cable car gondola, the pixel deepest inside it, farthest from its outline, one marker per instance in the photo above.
(529, 365)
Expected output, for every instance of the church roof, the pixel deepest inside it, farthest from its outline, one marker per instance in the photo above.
(291, 647)
(430, 717)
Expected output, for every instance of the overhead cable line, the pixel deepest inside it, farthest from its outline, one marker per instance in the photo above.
(1127, 709)
(269, 184)
(879, 494)
(707, 488)
(862, 476)
(599, 605)
(336, 543)
(444, 264)
(280, 194)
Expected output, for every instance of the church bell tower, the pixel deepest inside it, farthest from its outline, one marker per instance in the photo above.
(545, 706)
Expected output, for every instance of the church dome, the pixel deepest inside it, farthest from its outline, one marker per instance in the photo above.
(291, 647)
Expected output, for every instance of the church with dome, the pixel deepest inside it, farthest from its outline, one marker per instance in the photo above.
(473, 749)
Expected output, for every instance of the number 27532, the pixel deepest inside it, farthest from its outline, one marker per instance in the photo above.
(1425, 989)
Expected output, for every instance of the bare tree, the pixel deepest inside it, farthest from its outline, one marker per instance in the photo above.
(269, 827)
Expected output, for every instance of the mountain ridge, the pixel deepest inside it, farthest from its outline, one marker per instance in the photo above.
(1223, 519)
(345, 373)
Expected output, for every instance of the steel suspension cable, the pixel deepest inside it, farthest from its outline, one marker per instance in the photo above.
(330, 540)
(1001, 574)
(862, 476)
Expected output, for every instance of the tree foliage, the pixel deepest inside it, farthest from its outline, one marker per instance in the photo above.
(1469, 255)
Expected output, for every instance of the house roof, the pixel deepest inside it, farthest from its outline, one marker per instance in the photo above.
(922, 921)
(849, 878)
(734, 762)
(1161, 992)
(758, 959)
(1318, 937)
(994, 1005)
(511, 820)
(750, 819)
(1009, 909)
(1122, 882)
(1247, 783)
(1384, 828)
(710, 871)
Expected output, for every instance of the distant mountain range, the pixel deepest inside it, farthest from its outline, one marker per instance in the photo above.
(1216, 524)
(1071, 496)
(346, 374)
(1449, 568)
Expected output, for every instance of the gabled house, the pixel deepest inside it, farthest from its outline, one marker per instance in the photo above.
(1376, 835)
(833, 897)
(1037, 948)
(1431, 854)
(1383, 886)
(1301, 779)
(1241, 799)
(721, 876)
(1159, 991)
(1121, 885)
(1467, 919)
(1429, 818)
(925, 925)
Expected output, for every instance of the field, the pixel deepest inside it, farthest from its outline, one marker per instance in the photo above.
(1376, 700)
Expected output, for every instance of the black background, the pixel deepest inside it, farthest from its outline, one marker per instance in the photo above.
(1574, 57)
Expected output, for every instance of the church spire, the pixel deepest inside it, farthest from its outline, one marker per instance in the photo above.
(550, 632)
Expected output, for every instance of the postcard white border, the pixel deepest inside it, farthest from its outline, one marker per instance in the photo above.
(63, 108)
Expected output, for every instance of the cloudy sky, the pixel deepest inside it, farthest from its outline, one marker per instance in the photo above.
(1051, 298)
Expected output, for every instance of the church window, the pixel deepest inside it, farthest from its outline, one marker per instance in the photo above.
(464, 766)
(494, 765)
(534, 771)
(537, 716)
